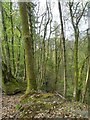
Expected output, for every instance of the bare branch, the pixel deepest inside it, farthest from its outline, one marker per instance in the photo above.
(71, 13)
(80, 16)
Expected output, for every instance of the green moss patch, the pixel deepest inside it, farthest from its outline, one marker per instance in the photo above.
(14, 87)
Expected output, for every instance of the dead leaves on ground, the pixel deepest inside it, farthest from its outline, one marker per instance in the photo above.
(48, 105)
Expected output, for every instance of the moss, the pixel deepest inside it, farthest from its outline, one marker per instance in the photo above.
(3, 86)
(14, 87)
(35, 97)
(37, 101)
(48, 105)
(47, 95)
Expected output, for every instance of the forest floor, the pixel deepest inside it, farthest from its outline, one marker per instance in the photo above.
(9, 105)
(41, 105)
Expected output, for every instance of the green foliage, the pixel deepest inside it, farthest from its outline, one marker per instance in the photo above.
(51, 45)
(18, 106)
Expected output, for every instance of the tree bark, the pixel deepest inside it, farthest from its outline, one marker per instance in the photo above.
(12, 37)
(89, 59)
(75, 92)
(6, 41)
(76, 35)
(31, 81)
(64, 50)
(88, 83)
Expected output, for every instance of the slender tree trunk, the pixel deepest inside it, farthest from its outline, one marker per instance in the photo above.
(31, 17)
(3, 54)
(43, 60)
(17, 69)
(11, 18)
(18, 58)
(88, 33)
(89, 87)
(75, 92)
(75, 19)
(88, 72)
(76, 34)
(6, 41)
(56, 65)
(43, 49)
(64, 49)
(31, 81)
(40, 61)
(86, 85)
(24, 67)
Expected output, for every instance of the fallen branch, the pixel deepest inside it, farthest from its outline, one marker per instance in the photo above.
(60, 96)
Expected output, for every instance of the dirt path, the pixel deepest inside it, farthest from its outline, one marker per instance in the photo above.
(8, 105)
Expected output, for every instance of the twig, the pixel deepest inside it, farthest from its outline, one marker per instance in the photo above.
(60, 96)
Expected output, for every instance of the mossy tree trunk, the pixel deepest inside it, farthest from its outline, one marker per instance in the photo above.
(75, 92)
(18, 63)
(7, 49)
(31, 81)
(12, 37)
(75, 19)
(76, 34)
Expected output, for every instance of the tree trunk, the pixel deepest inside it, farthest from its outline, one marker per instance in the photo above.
(64, 49)
(86, 85)
(75, 92)
(31, 81)
(76, 35)
(56, 64)
(6, 41)
(12, 37)
(17, 69)
(89, 60)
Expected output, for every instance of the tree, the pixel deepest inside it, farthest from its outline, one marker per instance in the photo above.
(7, 55)
(12, 37)
(89, 60)
(86, 91)
(64, 49)
(87, 84)
(31, 81)
(75, 19)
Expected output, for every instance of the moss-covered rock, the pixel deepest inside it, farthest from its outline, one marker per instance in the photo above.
(9, 83)
(14, 87)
